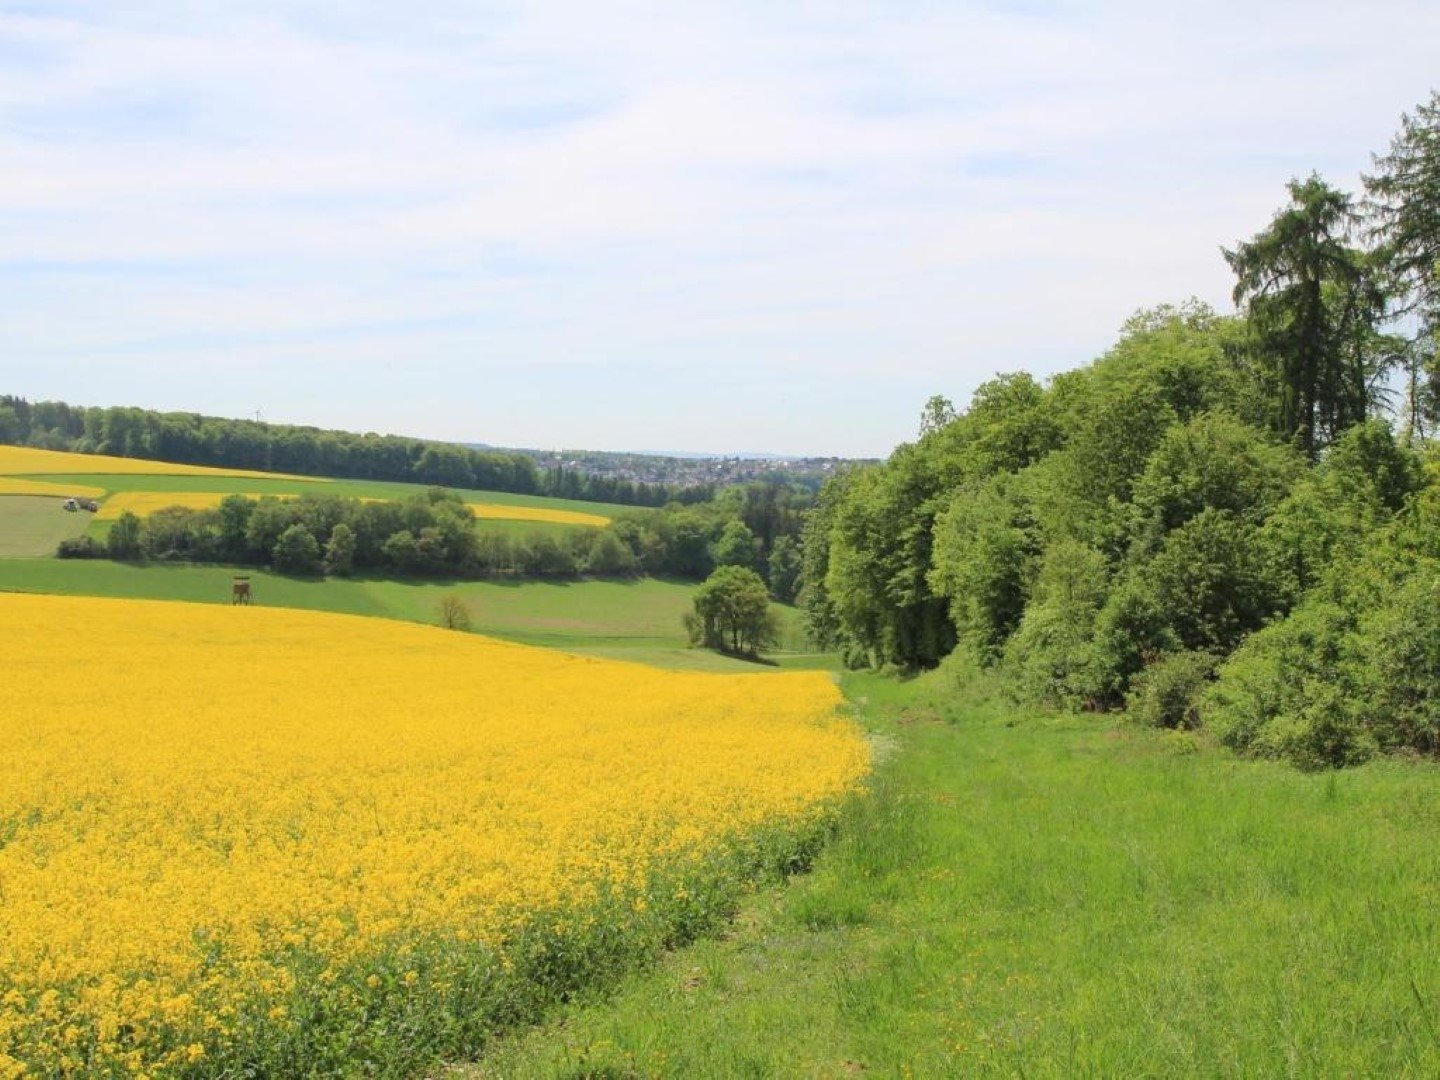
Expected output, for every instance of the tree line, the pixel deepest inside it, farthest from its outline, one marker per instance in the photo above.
(429, 534)
(1223, 521)
(755, 527)
(192, 439)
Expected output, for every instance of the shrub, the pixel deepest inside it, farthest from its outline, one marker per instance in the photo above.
(1167, 693)
(608, 555)
(1049, 659)
(1327, 732)
(1397, 668)
(124, 539)
(297, 551)
(340, 550)
(80, 547)
(1284, 692)
(541, 555)
(1132, 629)
(454, 613)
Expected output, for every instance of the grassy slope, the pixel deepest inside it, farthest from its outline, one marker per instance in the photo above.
(32, 525)
(1058, 898)
(626, 620)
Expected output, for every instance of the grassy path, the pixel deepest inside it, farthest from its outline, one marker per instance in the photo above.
(1058, 898)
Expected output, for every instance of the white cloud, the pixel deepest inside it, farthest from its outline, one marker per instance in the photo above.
(889, 194)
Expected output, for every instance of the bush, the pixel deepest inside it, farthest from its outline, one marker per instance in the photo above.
(340, 550)
(124, 539)
(1397, 668)
(80, 547)
(1287, 693)
(1050, 658)
(400, 550)
(1132, 629)
(609, 556)
(297, 551)
(454, 613)
(541, 555)
(1167, 693)
(1327, 732)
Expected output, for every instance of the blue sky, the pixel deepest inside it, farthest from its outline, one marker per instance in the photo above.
(659, 226)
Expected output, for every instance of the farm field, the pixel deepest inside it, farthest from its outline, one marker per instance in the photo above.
(634, 620)
(1035, 896)
(28, 461)
(144, 486)
(20, 485)
(272, 484)
(31, 526)
(271, 868)
(142, 503)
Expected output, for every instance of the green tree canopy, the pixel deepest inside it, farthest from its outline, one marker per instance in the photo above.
(737, 546)
(1403, 206)
(123, 541)
(732, 613)
(1309, 294)
(297, 551)
(340, 550)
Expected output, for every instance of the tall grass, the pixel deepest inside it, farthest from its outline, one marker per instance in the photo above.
(1039, 896)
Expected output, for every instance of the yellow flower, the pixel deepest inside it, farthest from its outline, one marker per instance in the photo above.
(212, 801)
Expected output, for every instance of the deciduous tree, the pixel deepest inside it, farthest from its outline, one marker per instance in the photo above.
(297, 551)
(732, 613)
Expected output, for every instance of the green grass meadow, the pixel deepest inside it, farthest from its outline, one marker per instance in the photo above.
(637, 620)
(1056, 897)
(31, 525)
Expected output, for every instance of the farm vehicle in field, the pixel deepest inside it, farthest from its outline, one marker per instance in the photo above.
(82, 504)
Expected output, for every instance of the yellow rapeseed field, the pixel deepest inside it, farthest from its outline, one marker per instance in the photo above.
(26, 460)
(142, 503)
(225, 829)
(537, 513)
(11, 485)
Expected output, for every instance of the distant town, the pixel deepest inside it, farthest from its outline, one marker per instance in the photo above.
(679, 470)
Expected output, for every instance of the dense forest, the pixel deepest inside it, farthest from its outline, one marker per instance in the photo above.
(309, 451)
(1225, 521)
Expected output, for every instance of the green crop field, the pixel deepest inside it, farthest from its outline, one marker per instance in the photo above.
(1040, 897)
(31, 525)
(626, 620)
